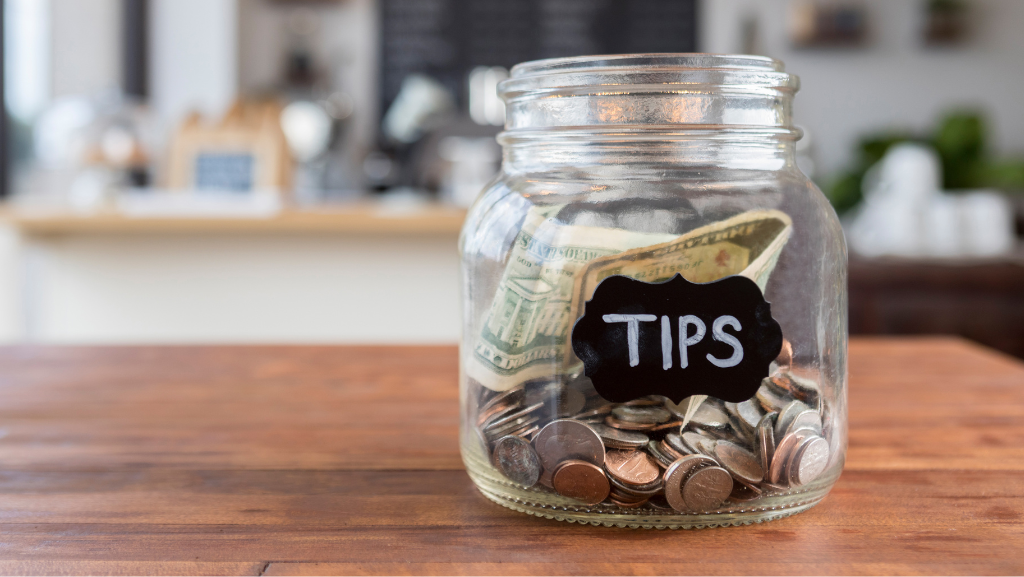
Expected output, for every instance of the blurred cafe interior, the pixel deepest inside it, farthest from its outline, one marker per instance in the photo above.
(297, 171)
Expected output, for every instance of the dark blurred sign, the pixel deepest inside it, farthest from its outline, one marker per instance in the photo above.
(447, 38)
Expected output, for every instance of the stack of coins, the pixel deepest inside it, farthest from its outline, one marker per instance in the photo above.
(561, 436)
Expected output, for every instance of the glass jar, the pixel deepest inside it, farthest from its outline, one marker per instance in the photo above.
(654, 299)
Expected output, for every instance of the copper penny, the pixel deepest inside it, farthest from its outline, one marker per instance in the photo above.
(785, 358)
(632, 467)
(582, 481)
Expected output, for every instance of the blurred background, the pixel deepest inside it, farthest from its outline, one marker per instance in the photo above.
(199, 171)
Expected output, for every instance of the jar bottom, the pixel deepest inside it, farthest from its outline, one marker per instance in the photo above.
(548, 504)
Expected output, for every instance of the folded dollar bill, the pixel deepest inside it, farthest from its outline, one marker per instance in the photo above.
(553, 269)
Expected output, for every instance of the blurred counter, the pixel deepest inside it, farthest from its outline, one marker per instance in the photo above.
(359, 273)
(358, 218)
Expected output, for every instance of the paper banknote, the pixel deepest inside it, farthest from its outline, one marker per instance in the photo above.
(553, 269)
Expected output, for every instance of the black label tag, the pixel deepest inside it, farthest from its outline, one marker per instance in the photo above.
(677, 338)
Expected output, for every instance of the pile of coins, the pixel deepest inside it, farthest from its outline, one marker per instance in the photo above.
(565, 437)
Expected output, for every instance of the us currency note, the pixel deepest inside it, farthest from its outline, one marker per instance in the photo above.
(554, 268)
(525, 334)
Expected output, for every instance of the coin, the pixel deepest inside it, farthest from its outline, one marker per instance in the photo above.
(558, 399)
(786, 416)
(510, 416)
(670, 451)
(809, 419)
(769, 400)
(707, 488)
(749, 413)
(805, 389)
(499, 403)
(597, 412)
(666, 426)
(615, 423)
(677, 474)
(657, 450)
(495, 433)
(648, 415)
(516, 459)
(691, 441)
(740, 462)
(659, 502)
(545, 479)
(565, 439)
(777, 471)
(631, 467)
(637, 491)
(785, 358)
(707, 446)
(809, 461)
(766, 440)
(742, 493)
(677, 444)
(582, 481)
(620, 439)
(709, 416)
(778, 384)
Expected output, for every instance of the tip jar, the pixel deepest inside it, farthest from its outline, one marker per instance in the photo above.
(654, 299)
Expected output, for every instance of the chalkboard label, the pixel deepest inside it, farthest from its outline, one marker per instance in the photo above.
(677, 338)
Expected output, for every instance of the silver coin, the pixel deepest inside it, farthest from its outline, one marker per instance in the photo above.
(620, 439)
(663, 459)
(740, 462)
(809, 461)
(769, 400)
(560, 401)
(547, 479)
(766, 440)
(749, 413)
(510, 416)
(598, 412)
(500, 403)
(691, 441)
(670, 452)
(709, 416)
(809, 419)
(675, 476)
(786, 416)
(650, 415)
(707, 488)
(676, 442)
(778, 473)
(496, 433)
(516, 459)
(565, 439)
(707, 447)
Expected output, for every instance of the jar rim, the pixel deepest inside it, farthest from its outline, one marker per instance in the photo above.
(653, 60)
(654, 73)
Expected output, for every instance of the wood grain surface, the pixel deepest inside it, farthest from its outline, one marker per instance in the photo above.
(320, 460)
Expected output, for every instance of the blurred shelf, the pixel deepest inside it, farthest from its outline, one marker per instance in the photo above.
(366, 218)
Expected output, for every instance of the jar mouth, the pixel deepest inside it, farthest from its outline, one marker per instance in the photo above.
(680, 61)
(649, 90)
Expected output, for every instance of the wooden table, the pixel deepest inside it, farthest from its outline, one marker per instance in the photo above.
(314, 460)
